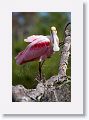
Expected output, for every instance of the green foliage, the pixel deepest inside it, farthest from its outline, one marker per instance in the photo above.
(35, 23)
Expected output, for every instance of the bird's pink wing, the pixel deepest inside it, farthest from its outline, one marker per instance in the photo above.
(33, 51)
(33, 38)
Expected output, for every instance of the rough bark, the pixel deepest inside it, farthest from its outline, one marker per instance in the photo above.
(55, 89)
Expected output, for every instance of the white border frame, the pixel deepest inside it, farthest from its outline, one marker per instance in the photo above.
(76, 104)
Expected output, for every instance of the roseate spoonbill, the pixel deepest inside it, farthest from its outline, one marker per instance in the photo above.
(40, 47)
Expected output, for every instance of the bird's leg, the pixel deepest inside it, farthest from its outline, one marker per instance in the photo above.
(42, 63)
(43, 76)
(40, 70)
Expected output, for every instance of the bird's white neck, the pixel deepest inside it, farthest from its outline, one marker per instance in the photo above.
(54, 42)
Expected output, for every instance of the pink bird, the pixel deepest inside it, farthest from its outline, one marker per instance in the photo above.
(40, 47)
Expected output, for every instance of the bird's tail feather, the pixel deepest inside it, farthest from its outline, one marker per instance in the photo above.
(19, 58)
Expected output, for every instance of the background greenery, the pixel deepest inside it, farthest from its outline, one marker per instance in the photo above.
(25, 24)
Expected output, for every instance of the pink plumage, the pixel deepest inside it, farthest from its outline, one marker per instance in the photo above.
(39, 48)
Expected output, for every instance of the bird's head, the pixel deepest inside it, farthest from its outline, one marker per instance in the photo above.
(53, 29)
(55, 39)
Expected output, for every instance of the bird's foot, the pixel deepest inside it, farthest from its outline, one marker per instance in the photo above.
(43, 78)
(40, 79)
